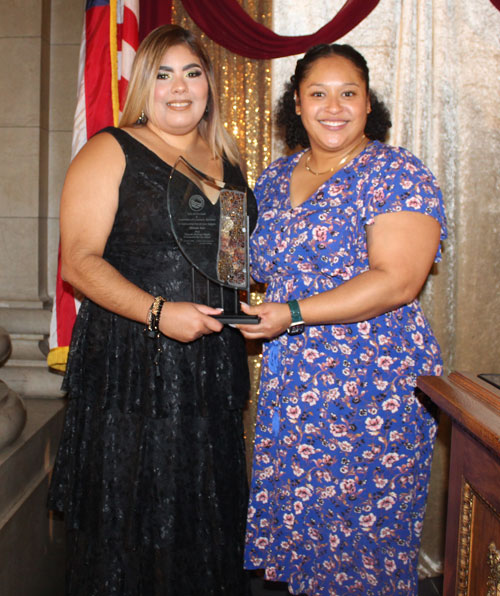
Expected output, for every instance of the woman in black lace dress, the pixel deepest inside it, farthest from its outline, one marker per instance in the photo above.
(150, 472)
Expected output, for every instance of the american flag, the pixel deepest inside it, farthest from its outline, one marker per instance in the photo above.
(109, 41)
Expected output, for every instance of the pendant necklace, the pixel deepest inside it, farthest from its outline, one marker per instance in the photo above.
(335, 167)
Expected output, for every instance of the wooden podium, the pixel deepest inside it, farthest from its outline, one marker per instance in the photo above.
(472, 555)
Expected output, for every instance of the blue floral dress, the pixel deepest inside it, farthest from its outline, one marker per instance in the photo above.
(343, 444)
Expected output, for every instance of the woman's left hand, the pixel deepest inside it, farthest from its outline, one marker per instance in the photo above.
(275, 318)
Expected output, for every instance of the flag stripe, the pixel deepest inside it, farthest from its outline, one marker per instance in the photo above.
(109, 42)
(98, 106)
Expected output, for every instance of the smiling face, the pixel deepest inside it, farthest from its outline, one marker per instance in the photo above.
(333, 104)
(181, 91)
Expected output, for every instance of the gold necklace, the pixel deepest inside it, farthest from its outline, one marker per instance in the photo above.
(336, 166)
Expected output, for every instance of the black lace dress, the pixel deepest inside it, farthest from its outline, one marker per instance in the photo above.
(150, 472)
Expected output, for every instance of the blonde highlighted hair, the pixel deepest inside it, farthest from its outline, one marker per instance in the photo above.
(140, 91)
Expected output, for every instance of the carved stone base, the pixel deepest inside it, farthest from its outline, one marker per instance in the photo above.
(25, 367)
(12, 415)
(5, 346)
(12, 410)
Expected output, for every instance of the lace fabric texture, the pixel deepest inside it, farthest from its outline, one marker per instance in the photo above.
(150, 472)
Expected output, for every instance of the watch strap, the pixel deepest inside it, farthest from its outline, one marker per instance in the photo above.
(294, 307)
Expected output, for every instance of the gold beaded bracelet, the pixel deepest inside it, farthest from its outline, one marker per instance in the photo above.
(152, 329)
(154, 312)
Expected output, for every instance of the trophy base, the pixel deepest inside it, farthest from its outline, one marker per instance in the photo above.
(237, 319)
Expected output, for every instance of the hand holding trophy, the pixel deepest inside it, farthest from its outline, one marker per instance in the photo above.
(210, 225)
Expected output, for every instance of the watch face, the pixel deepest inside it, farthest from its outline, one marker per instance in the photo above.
(296, 329)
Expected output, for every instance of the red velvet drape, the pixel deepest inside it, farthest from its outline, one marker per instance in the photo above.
(227, 23)
(152, 14)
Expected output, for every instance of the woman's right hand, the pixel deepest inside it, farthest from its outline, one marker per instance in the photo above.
(187, 321)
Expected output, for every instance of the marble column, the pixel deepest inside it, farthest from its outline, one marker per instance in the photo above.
(39, 44)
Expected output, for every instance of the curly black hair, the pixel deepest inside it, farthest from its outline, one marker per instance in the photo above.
(378, 121)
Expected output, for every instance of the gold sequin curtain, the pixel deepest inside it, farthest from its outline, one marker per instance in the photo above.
(245, 99)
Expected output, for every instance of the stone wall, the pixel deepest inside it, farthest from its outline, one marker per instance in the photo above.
(39, 44)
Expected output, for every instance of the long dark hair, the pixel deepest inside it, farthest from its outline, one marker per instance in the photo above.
(378, 121)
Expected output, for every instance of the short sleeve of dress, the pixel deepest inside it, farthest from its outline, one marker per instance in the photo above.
(395, 181)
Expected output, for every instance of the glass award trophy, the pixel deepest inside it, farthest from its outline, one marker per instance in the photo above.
(210, 225)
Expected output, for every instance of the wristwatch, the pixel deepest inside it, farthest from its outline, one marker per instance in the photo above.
(297, 325)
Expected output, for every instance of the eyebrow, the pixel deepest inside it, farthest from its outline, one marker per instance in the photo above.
(187, 67)
(324, 85)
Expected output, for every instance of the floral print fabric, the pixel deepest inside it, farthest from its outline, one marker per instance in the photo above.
(343, 444)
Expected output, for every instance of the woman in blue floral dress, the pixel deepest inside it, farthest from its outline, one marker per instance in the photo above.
(348, 230)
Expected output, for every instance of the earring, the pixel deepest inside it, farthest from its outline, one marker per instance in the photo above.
(297, 104)
(142, 118)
